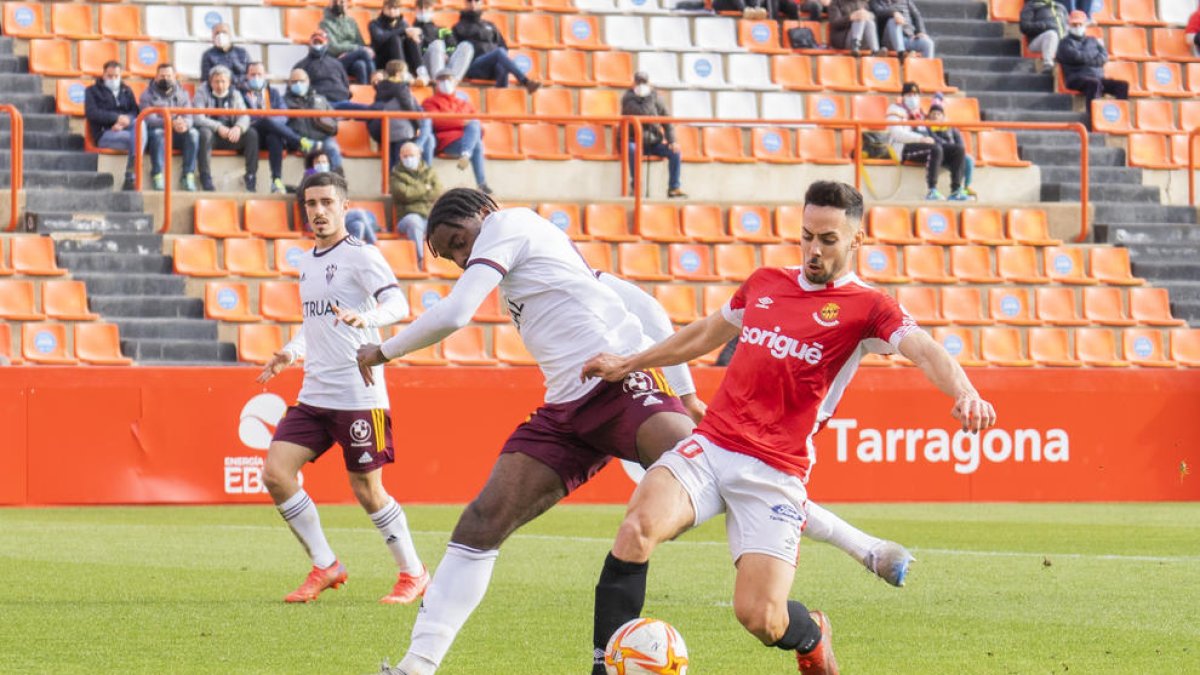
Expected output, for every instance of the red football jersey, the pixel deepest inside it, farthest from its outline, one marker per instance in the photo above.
(799, 347)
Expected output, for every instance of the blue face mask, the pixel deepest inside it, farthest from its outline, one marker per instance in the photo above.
(256, 83)
(321, 167)
(299, 88)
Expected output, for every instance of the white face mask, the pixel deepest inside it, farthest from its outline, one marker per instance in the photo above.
(642, 90)
(424, 17)
(446, 86)
(1077, 31)
(114, 84)
(320, 167)
(411, 163)
(912, 102)
(222, 41)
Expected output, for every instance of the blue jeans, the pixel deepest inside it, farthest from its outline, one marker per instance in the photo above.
(661, 149)
(495, 64)
(413, 226)
(471, 144)
(894, 37)
(123, 140)
(361, 223)
(968, 169)
(358, 64)
(426, 141)
(189, 141)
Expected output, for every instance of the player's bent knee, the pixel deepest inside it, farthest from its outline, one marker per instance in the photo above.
(482, 527)
(764, 621)
(636, 538)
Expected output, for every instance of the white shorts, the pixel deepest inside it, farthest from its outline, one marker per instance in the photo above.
(764, 506)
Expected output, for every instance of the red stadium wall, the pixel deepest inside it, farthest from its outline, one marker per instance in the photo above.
(193, 435)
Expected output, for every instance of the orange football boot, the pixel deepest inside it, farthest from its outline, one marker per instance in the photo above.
(408, 588)
(820, 660)
(318, 580)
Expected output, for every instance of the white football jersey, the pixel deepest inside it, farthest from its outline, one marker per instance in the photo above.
(564, 314)
(351, 275)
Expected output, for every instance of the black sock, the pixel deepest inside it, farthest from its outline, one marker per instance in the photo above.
(620, 594)
(802, 634)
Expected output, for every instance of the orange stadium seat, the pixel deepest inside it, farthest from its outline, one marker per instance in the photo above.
(598, 255)
(6, 350)
(565, 6)
(960, 343)
(1104, 12)
(288, 253)
(66, 300)
(422, 296)
(72, 21)
(466, 347)
(1051, 347)
(641, 262)
(838, 73)
(490, 310)
(973, 264)
(1189, 117)
(581, 32)
(299, 24)
(5, 270)
(789, 222)
(782, 255)
(1011, 306)
(703, 222)
(1064, 265)
(1144, 347)
(1152, 307)
(830, 107)
(715, 297)
(678, 300)
(793, 72)
(539, 140)
(1127, 43)
(426, 356)
(927, 264)
(566, 67)
(566, 216)
(217, 218)
(69, 97)
(660, 222)
(287, 3)
(228, 301)
(607, 222)
(751, 224)
(535, 31)
(258, 342)
(353, 139)
(268, 218)
(143, 56)
(34, 256)
(1163, 79)
(247, 258)
(760, 36)
(688, 138)
(280, 301)
(937, 225)
(818, 146)
(362, 93)
(928, 74)
(1056, 306)
(772, 144)
(1156, 116)
(511, 101)
(442, 268)
(46, 344)
(24, 20)
(881, 73)
(587, 141)
(613, 69)
(890, 225)
(999, 148)
(922, 303)
(1171, 44)
(1001, 346)
(51, 57)
(1029, 227)
(877, 263)
(121, 22)
(964, 306)
(1185, 346)
(1179, 149)
(510, 349)
(690, 262)
(1151, 151)
(734, 262)
(1019, 265)
(1120, 70)
(93, 54)
(869, 107)
(17, 301)
(1006, 10)
(1140, 12)
(1097, 347)
(1104, 305)
(1110, 265)
(499, 143)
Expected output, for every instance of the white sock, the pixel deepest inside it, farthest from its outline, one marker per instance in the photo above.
(392, 524)
(824, 526)
(457, 587)
(301, 515)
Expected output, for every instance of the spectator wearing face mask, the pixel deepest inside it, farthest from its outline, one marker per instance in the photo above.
(909, 144)
(1082, 58)
(325, 73)
(300, 96)
(111, 108)
(229, 131)
(273, 132)
(1192, 32)
(415, 187)
(903, 27)
(949, 136)
(224, 53)
(658, 140)
(436, 42)
(393, 93)
(491, 52)
(390, 39)
(346, 42)
(455, 137)
(165, 92)
(1044, 23)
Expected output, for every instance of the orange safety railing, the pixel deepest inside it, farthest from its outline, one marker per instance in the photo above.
(16, 162)
(1191, 166)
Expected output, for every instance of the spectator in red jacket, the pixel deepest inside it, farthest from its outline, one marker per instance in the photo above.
(457, 138)
(1192, 32)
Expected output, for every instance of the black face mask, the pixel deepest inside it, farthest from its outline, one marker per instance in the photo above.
(337, 10)
(164, 86)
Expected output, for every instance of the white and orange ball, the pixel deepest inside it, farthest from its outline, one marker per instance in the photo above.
(646, 647)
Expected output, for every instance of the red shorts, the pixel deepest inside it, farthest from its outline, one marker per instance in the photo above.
(365, 435)
(577, 438)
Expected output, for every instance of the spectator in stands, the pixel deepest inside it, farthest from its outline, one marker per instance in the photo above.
(224, 53)
(111, 109)
(457, 138)
(657, 139)
(947, 136)
(230, 131)
(910, 145)
(300, 96)
(391, 40)
(346, 42)
(393, 93)
(1044, 23)
(326, 73)
(903, 27)
(761, 9)
(165, 92)
(1082, 58)
(273, 132)
(415, 186)
(1084, 6)
(490, 51)
(814, 10)
(436, 42)
(852, 26)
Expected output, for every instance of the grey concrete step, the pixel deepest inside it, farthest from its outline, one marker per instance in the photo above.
(29, 103)
(147, 306)
(976, 82)
(43, 123)
(14, 64)
(134, 284)
(949, 9)
(194, 351)
(1071, 192)
(144, 263)
(176, 328)
(965, 63)
(144, 244)
(6, 46)
(1065, 157)
(1097, 174)
(91, 220)
(1143, 233)
(1188, 311)
(61, 180)
(42, 160)
(958, 27)
(1039, 101)
(1160, 270)
(1182, 291)
(20, 83)
(43, 140)
(1065, 140)
(1118, 212)
(971, 46)
(1011, 115)
(83, 202)
(1164, 252)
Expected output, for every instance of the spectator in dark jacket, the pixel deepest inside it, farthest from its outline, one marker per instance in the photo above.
(436, 42)
(1044, 23)
(224, 53)
(903, 27)
(914, 144)
(165, 92)
(852, 26)
(393, 93)
(1082, 59)
(325, 73)
(390, 40)
(229, 131)
(813, 10)
(111, 109)
(273, 132)
(657, 139)
(491, 53)
(415, 187)
(946, 136)
(300, 96)
(346, 42)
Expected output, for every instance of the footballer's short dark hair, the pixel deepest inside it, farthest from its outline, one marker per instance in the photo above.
(838, 195)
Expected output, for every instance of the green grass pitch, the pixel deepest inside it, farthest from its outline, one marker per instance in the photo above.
(999, 588)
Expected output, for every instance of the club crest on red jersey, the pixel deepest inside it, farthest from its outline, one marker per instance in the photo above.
(828, 315)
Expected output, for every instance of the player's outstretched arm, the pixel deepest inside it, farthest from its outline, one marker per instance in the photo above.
(693, 341)
(974, 413)
(282, 359)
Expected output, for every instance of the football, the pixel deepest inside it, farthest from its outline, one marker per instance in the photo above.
(646, 646)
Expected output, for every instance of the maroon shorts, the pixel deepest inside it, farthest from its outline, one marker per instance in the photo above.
(577, 439)
(365, 435)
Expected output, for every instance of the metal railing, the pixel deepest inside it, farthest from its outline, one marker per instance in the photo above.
(16, 161)
(1191, 166)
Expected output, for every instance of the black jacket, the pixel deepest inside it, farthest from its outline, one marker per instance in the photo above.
(316, 128)
(839, 20)
(1081, 57)
(1039, 16)
(430, 31)
(326, 76)
(381, 31)
(483, 35)
(102, 108)
(884, 9)
(237, 60)
(394, 96)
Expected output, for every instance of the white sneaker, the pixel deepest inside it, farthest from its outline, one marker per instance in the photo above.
(889, 561)
(464, 161)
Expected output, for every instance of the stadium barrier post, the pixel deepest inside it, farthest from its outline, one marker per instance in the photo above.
(1191, 167)
(16, 132)
(385, 158)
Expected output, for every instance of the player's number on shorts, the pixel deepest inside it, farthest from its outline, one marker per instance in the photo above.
(691, 450)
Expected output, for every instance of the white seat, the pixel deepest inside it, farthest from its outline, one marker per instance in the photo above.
(1175, 12)
(625, 32)
(254, 51)
(751, 71)
(691, 104)
(702, 69)
(717, 34)
(782, 105)
(281, 58)
(260, 24)
(670, 32)
(638, 6)
(662, 67)
(207, 16)
(737, 105)
(167, 22)
(186, 57)
(595, 6)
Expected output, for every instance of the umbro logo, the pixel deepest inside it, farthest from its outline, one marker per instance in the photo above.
(764, 302)
(365, 458)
